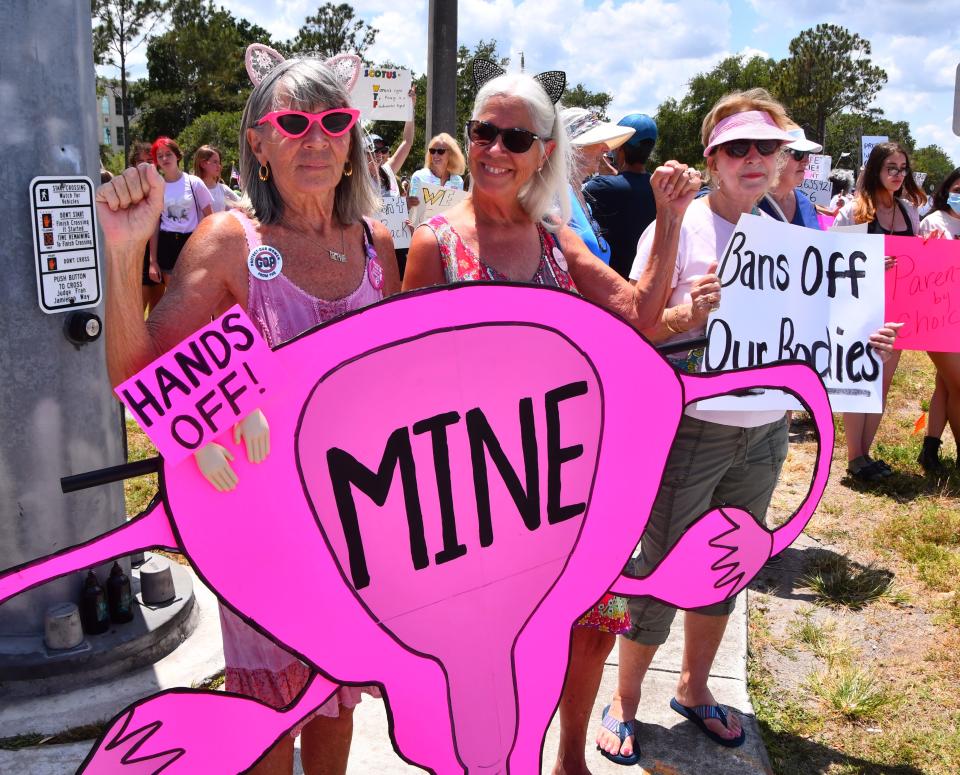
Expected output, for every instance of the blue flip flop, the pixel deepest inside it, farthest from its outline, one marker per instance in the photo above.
(621, 729)
(698, 713)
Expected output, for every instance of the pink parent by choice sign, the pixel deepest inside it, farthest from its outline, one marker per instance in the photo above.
(923, 293)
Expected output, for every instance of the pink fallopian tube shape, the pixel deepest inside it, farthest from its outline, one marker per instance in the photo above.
(455, 476)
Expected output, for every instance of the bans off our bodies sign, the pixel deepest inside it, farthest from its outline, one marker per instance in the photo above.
(792, 293)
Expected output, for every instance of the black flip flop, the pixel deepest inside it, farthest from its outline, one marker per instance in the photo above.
(622, 729)
(698, 713)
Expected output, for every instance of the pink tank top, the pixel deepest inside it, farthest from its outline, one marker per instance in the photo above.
(283, 310)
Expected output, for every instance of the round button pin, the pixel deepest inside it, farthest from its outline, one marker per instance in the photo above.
(264, 262)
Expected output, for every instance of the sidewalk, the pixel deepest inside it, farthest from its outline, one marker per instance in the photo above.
(670, 745)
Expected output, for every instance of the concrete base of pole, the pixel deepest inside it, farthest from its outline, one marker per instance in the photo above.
(196, 660)
(29, 667)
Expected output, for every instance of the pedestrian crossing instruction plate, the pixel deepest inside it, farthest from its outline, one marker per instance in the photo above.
(65, 243)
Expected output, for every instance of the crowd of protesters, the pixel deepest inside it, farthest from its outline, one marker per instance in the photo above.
(557, 197)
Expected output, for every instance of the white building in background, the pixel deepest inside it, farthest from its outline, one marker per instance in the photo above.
(110, 114)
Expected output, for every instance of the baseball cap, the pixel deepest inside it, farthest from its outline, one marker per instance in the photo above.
(644, 127)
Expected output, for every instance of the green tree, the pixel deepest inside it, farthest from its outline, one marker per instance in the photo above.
(218, 129)
(121, 27)
(828, 71)
(581, 97)
(332, 30)
(933, 160)
(197, 67)
(679, 121)
(844, 131)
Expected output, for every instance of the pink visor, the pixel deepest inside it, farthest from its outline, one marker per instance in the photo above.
(748, 125)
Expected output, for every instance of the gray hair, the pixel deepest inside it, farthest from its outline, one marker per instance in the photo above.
(545, 197)
(306, 84)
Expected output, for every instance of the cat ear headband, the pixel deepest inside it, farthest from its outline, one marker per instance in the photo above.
(552, 81)
(260, 60)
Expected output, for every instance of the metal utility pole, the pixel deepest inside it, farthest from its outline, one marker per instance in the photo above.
(57, 412)
(442, 68)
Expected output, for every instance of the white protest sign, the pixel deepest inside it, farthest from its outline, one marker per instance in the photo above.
(791, 292)
(434, 200)
(920, 177)
(868, 141)
(818, 191)
(65, 243)
(818, 167)
(382, 94)
(393, 214)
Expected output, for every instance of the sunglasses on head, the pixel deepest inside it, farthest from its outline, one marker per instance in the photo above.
(437, 151)
(797, 155)
(296, 123)
(514, 140)
(737, 149)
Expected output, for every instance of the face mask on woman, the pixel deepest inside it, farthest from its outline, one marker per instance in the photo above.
(954, 201)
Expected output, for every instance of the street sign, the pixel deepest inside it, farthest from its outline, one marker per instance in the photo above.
(65, 243)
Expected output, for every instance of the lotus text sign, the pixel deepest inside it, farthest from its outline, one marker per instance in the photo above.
(383, 94)
(867, 143)
(454, 534)
(393, 214)
(818, 167)
(792, 293)
(434, 200)
(65, 243)
(923, 293)
(201, 387)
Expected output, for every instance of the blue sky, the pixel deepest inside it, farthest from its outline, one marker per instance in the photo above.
(642, 51)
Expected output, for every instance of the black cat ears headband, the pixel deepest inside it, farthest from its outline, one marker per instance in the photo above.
(552, 81)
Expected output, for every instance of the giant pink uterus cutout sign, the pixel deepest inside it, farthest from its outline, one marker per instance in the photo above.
(455, 476)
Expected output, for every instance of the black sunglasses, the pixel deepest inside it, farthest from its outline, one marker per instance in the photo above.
(440, 151)
(737, 149)
(514, 140)
(797, 155)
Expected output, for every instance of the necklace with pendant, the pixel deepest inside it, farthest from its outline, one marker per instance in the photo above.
(341, 256)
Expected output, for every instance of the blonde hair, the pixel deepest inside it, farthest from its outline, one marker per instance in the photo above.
(202, 154)
(740, 102)
(456, 164)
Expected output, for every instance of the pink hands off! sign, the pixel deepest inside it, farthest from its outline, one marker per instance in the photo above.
(200, 388)
(455, 477)
(923, 293)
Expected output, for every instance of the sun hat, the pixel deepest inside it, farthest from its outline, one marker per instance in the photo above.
(747, 125)
(801, 143)
(586, 128)
(645, 128)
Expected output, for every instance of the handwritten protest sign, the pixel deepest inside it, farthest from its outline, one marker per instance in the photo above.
(434, 200)
(920, 178)
(818, 167)
(923, 293)
(817, 190)
(201, 387)
(796, 293)
(393, 214)
(867, 142)
(383, 94)
(457, 531)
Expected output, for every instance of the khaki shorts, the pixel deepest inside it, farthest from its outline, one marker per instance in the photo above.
(709, 465)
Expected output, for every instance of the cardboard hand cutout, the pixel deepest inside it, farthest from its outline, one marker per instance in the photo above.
(455, 476)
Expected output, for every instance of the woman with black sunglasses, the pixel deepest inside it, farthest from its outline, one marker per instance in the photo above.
(302, 250)
(887, 199)
(785, 201)
(443, 165)
(511, 228)
(718, 457)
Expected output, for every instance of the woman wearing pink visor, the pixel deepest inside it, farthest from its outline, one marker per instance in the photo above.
(717, 457)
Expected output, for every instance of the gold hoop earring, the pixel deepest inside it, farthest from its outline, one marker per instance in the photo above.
(264, 172)
(348, 169)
